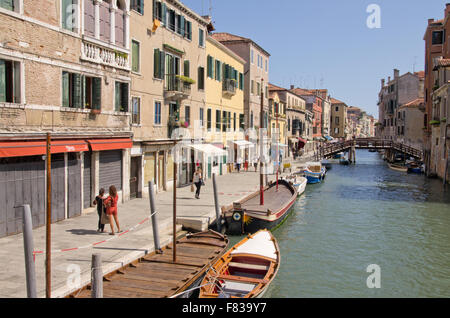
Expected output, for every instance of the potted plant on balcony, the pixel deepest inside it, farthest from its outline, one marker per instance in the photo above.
(185, 124)
(185, 79)
(443, 120)
(435, 122)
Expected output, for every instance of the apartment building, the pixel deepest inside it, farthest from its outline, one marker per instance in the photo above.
(409, 119)
(395, 93)
(339, 128)
(168, 93)
(64, 69)
(296, 131)
(277, 123)
(222, 121)
(436, 135)
(256, 76)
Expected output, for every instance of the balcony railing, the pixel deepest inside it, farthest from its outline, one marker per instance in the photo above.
(176, 88)
(94, 53)
(229, 87)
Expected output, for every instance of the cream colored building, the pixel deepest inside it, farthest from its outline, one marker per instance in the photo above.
(224, 113)
(168, 43)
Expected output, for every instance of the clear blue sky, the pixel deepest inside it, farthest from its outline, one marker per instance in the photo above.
(328, 40)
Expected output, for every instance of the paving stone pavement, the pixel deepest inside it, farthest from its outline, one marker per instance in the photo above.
(75, 240)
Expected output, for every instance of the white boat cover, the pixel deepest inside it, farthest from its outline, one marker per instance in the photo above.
(260, 244)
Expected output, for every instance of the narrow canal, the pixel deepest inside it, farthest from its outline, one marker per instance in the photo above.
(366, 214)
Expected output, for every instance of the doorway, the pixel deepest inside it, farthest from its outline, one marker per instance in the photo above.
(134, 177)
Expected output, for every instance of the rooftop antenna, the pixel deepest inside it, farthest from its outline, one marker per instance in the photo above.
(210, 8)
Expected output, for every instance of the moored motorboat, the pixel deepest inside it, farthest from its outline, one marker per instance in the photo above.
(314, 172)
(398, 167)
(414, 167)
(249, 216)
(245, 271)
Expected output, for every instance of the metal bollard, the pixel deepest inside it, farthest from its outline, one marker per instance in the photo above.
(216, 201)
(97, 276)
(27, 226)
(151, 192)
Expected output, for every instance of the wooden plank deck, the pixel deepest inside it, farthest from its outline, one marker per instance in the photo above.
(156, 276)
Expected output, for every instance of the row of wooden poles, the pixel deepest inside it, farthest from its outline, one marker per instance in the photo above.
(97, 275)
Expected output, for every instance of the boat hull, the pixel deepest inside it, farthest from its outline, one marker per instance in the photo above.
(398, 168)
(315, 177)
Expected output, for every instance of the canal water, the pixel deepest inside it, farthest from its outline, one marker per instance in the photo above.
(366, 214)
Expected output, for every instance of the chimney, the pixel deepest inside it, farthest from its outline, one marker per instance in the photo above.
(447, 9)
(383, 81)
(430, 21)
(396, 73)
(389, 79)
(292, 87)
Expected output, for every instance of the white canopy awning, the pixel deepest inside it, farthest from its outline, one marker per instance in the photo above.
(209, 149)
(243, 143)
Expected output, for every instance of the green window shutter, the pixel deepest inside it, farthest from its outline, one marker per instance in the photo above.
(186, 68)
(7, 4)
(182, 26)
(189, 25)
(156, 63)
(2, 81)
(201, 78)
(117, 97)
(241, 81)
(96, 93)
(141, 6)
(162, 63)
(164, 13)
(77, 88)
(135, 56)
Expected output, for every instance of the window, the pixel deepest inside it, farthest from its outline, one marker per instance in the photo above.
(337, 120)
(157, 10)
(241, 121)
(202, 118)
(8, 4)
(337, 108)
(157, 113)
(336, 130)
(234, 121)
(135, 53)
(218, 122)
(241, 81)
(188, 30)
(138, 6)
(69, 15)
(266, 65)
(258, 88)
(79, 91)
(251, 56)
(208, 119)
(201, 37)
(252, 88)
(9, 81)
(135, 116)
(224, 120)
(201, 78)
(437, 37)
(186, 68)
(251, 119)
(171, 19)
(158, 64)
(210, 66)
(187, 114)
(218, 76)
(121, 97)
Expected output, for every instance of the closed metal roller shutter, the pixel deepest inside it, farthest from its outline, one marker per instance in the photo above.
(22, 181)
(74, 186)
(58, 188)
(110, 169)
(87, 184)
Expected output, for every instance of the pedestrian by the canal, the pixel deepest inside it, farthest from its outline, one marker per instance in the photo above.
(100, 209)
(111, 208)
(198, 181)
(255, 163)
(238, 164)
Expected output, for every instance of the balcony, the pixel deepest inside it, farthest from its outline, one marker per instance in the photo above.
(177, 87)
(101, 55)
(229, 87)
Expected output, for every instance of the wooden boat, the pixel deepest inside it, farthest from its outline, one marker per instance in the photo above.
(298, 181)
(414, 167)
(344, 161)
(155, 275)
(327, 164)
(248, 216)
(246, 270)
(397, 167)
(372, 150)
(315, 172)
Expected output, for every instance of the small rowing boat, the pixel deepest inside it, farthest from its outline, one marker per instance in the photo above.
(245, 271)
(249, 216)
(398, 167)
(298, 181)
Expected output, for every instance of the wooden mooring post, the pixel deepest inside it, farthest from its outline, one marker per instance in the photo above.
(96, 276)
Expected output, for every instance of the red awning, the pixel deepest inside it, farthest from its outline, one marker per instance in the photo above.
(35, 148)
(110, 144)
